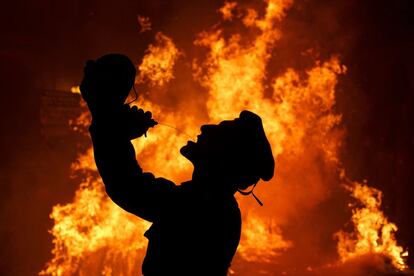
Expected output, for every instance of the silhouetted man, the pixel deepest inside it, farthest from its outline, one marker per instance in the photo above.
(196, 226)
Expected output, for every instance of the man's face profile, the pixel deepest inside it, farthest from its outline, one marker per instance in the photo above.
(211, 141)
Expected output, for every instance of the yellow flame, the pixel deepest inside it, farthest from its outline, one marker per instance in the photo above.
(262, 241)
(373, 232)
(227, 10)
(158, 63)
(88, 225)
(75, 89)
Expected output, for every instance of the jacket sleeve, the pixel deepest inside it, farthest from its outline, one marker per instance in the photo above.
(126, 184)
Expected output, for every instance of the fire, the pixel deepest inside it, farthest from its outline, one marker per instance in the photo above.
(86, 227)
(144, 23)
(75, 89)
(227, 10)
(158, 62)
(374, 233)
(258, 245)
(93, 236)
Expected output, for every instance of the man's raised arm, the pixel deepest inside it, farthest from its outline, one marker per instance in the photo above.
(105, 87)
(126, 184)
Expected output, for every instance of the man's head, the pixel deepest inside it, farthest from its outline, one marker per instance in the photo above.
(236, 152)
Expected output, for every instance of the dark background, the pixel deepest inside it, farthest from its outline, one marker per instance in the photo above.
(43, 45)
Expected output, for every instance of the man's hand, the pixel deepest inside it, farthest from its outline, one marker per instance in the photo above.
(105, 98)
(136, 122)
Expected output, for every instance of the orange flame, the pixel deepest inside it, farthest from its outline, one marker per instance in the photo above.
(144, 23)
(87, 226)
(262, 241)
(227, 10)
(374, 233)
(75, 89)
(157, 64)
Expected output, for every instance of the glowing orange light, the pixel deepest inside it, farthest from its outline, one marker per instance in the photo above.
(373, 232)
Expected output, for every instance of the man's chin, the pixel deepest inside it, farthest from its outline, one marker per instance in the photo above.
(188, 150)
